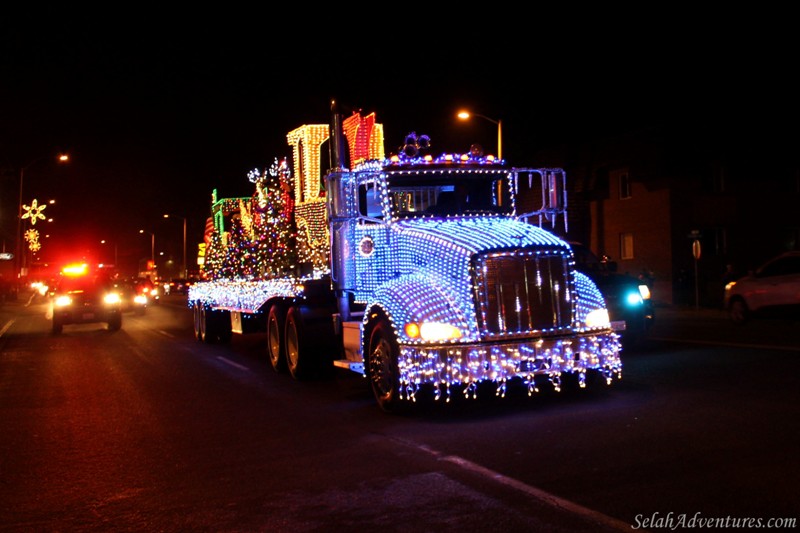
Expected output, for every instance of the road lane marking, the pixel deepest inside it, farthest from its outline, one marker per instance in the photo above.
(7, 327)
(539, 494)
(236, 365)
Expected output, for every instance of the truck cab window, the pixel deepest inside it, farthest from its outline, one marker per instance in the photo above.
(369, 201)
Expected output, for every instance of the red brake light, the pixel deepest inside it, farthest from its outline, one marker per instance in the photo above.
(76, 269)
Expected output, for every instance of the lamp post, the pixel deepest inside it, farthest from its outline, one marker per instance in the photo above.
(184, 266)
(465, 115)
(115, 251)
(152, 246)
(19, 258)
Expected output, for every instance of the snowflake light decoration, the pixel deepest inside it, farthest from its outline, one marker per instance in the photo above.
(34, 211)
(32, 236)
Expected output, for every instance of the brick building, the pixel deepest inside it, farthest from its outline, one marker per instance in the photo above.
(645, 196)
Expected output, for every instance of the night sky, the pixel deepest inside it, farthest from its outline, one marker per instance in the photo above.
(155, 115)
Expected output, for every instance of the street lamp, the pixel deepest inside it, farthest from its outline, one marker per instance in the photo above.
(115, 251)
(465, 115)
(152, 246)
(20, 262)
(184, 266)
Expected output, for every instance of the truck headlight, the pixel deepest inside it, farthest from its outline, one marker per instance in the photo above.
(598, 319)
(432, 331)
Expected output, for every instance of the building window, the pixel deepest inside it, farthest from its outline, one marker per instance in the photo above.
(624, 186)
(626, 245)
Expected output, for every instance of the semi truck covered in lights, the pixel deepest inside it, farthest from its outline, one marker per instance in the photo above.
(416, 271)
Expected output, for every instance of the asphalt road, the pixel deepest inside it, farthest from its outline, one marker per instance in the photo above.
(148, 430)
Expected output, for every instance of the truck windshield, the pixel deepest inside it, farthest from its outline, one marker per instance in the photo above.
(449, 194)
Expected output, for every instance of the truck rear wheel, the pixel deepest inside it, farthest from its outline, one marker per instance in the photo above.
(197, 321)
(204, 325)
(382, 368)
(298, 346)
(276, 321)
(301, 346)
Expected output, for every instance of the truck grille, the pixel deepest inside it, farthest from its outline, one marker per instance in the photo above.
(522, 291)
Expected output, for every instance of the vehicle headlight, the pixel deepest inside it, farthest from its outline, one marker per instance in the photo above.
(140, 299)
(112, 298)
(598, 319)
(63, 301)
(633, 298)
(644, 290)
(432, 331)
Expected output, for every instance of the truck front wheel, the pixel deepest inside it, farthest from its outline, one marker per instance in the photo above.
(383, 372)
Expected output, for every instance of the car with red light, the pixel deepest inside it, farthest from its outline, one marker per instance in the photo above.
(83, 295)
(134, 297)
(178, 285)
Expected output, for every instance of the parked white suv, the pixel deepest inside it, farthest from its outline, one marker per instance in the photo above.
(773, 289)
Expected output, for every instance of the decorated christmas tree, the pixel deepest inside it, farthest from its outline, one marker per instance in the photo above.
(273, 221)
(261, 235)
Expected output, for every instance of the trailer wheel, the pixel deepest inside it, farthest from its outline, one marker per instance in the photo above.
(299, 356)
(276, 321)
(204, 325)
(197, 321)
(382, 368)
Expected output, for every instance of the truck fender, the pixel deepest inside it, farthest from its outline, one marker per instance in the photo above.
(588, 297)
(421, 297)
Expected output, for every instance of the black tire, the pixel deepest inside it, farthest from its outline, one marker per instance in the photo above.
(196, 318)
(298, 349)
(58, 327)
(211, 326)
(276, 322)
(382, 369)
(207, 333)
(115, 323)
(738, 311)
